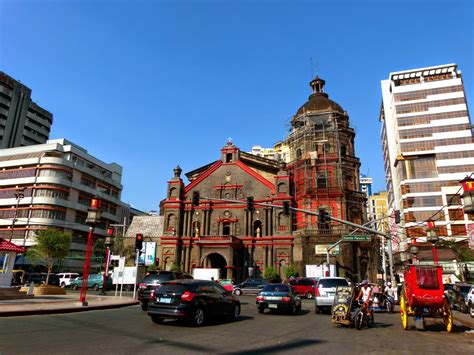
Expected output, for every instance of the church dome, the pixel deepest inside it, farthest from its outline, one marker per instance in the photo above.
(318, 101)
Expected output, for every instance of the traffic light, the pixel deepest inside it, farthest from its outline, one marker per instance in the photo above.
(397, 216)
(286, 208)
(195, 200)
(250, 204)
(139, 241)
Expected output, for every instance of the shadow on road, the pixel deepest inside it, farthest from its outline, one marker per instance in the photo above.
(209, 323)
(291, 345)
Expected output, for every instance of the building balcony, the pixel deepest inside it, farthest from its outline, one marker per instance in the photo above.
(334, 231)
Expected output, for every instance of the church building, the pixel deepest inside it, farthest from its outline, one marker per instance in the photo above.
(207, 222)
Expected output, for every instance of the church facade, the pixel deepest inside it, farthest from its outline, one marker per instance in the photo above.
(207, 222)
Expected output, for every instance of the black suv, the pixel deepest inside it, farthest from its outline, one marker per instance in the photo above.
(192, 300)
(250, 287)
(154, 279)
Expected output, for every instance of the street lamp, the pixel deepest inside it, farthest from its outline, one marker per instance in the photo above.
(108, 243)
(19, 195)
(94, 215)
(414, 250)
(432, 237)
(468, 194)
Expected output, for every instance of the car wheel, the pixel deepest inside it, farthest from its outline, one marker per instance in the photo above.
(95, 287)
(198, 317)
(293, 309)
(471, 311)
(75, 287)
(157, 320)
(309, 295)
(144, 306)
(238, 292)
(298, 308)
(63, 284)
(464, 308)
(261, 310)
(317, 310)
(236, 312)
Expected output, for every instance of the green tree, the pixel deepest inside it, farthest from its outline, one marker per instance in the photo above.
(291, 271)
(176, 267)
(462, 253)
(270, 273)
(51, 245)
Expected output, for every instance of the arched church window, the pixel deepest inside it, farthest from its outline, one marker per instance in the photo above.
(226, 228)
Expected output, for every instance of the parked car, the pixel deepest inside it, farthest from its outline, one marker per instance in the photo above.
(470, 301)
(65, 278)
(325, 291)
(279, 297)
(94, 281)
(305, 286)
(39, 278)
(192, 300)
(154, 279)
(250, 287)
(228, 284)
(458, 297)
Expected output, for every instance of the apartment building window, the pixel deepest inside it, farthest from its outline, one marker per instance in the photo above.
(424, 106)
(17, 173)
(427, 118)
(456, 214)
(422, 201)
(456, 169)
(52, 172)
(88, 181)
(458, 229)
(48, 214)
(423, 94)
(421, 167)
(52, 193)
(453, 200)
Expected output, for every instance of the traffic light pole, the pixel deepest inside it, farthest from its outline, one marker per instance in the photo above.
(87, 265)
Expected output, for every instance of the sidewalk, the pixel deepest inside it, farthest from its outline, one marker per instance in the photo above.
(61, 304)
(463, 318)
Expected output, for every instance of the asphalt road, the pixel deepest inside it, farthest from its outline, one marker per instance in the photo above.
(129, 330)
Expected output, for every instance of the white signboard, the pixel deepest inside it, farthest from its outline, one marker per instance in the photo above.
(125, 276)
(322, 249)
(320, 270)
(150, 252)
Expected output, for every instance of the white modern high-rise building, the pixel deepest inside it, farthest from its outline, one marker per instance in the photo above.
(428, 148)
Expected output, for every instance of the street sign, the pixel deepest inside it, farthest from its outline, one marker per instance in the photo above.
(356, 238)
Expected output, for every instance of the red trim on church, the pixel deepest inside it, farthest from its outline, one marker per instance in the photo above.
(203, 176)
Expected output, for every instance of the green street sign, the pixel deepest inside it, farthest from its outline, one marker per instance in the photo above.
(356, 238)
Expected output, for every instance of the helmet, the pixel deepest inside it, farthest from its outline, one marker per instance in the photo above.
(365, 282)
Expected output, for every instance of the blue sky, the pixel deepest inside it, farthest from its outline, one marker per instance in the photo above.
(154, 84)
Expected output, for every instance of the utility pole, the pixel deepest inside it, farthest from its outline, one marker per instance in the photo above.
(384, 257)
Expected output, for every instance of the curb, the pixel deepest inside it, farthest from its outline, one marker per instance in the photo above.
(31, 312)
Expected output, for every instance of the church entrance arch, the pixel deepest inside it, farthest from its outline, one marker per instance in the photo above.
(216, 261)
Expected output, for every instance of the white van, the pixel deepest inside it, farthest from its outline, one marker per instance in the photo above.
(66, 277)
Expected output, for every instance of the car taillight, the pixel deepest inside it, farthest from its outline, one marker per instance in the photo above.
(152, 294)
(286, 299)
(316, 292)
(188, 296)
(259, 298)
(142, 285)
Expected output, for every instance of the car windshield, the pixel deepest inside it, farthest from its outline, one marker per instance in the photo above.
(276, 288)
(329, 283)
(161, 277)
(464, 289)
